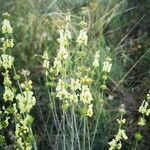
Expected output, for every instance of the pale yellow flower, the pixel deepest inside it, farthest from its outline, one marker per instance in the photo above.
(90, 110)
(62, 53)
(8, 44)
(73, 98)
(25, 101)
(8, 94)
(6, 28)
(96, 59)
(82, 38)
(75, 84)
(86, 96)
(107, 65)
(6, 61)
(141, 122)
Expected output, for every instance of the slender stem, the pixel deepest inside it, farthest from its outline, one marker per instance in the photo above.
(76, 130)
(89, 146)
(54, 115)
(34, 143)
(45, 126)
(64, 136)
(97, 121)
(72, 128)
(55, 112)
(60, 130)
(84, 132)
(136, 145)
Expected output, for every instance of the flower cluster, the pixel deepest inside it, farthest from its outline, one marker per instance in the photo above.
(9, 92)
(62, 54)
(107, 65)
(6, 63)
(67, 92)
(19, 105)
(86, 96)
(25, 101)
(116, 143)
(76, 90)
(8, 43)
(6, 28)
(61, 90)
(96, 59)
(4, 118)
(46, 63)
(75, 84)
(82, 38)
(105, 70)
(144, 109)
(71, 93)
(22, 133)
(121, 135)
(90, 110)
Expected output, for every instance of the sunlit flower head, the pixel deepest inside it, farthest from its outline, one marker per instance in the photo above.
(107, 65)
(82, 38)
(6, 28)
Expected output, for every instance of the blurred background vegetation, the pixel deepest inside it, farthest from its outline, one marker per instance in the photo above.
(119, 28)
